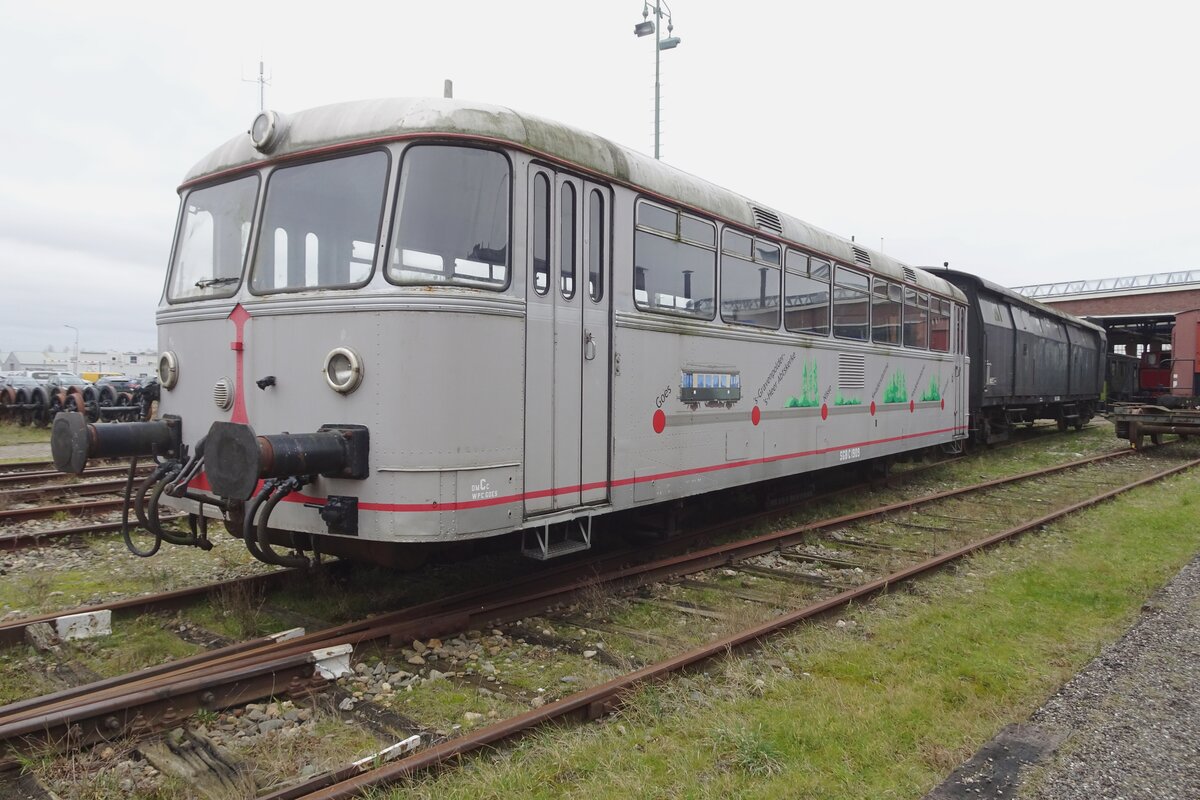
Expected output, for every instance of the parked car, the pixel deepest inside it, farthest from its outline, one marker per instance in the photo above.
(19, 380)
(59, 379)
(121, 383)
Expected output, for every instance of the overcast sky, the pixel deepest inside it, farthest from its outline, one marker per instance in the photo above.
(1027, 142)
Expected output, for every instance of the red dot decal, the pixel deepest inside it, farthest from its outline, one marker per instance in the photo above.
(943, 404)
(911, 406)
(872, 408)
(660, 421)
(755, 415)
(824, 411)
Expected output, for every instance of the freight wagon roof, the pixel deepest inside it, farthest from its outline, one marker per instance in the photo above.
(1013, 297)
(380, 120)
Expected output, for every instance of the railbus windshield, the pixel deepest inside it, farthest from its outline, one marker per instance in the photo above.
(452, 220)
(211, 246)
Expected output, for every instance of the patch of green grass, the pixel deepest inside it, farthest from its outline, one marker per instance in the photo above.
(15, 434)
(133, 645)
(22, 675)
(883, 708)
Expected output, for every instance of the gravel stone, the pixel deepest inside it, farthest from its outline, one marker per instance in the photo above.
(1132, 716)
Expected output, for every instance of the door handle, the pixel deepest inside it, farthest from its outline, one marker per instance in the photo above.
(589, 346)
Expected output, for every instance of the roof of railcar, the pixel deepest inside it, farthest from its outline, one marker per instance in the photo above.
(380, 120)
(1015, 298)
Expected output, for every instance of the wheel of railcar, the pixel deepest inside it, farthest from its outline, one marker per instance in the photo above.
(8, 397)
(73, 400)
(22, 398)
(40, 398)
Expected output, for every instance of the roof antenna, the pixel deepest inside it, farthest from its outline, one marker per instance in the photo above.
(448, 89)
(263, 81)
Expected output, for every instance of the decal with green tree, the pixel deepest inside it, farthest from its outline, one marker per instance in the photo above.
(810, 395)
(896, 390)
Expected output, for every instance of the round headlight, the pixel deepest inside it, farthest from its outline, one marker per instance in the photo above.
(266, 130)
(343, 370)
(168, 370)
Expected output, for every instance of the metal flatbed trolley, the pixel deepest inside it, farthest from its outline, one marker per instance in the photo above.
(1135, 423)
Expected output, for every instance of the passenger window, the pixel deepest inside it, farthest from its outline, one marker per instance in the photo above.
(916, 319)
(749, 281)
(566, 238)
(596, 246)
(541, 233)
(675, 262)
(939, 321)
(851, 309)
(452, 218)
(806, 287)
(887, 300)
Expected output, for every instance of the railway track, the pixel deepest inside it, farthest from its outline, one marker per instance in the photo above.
(99, 712)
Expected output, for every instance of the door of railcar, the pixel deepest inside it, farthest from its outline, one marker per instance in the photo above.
(961, 373)
(567, 351)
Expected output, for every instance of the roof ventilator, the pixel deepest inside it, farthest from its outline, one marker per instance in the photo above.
(861, 256)
(909, 274)
(767, 220)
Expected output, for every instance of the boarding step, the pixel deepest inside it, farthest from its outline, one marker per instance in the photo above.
(554, 541)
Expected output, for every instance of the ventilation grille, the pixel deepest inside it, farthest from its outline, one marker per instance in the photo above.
(767, 220)
(861, 256)
(852, 371)
(223, 394)
(910, 275)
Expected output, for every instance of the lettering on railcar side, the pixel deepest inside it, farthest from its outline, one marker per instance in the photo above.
(483, 490)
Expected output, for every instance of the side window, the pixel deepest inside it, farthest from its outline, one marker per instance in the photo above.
(886, 303)
(452, 218)
(806, 288)
(939, 325)
(851, 308)
(916, 319)
(541, 233)
(596, 250)
(674, 262)
(566, 233)
(749, 280)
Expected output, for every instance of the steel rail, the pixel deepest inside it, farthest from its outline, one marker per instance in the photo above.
(24, 539)
(603, 699)
(61, 490)
(42, 475)
(493, 604)
(24, 467)
(22, 514)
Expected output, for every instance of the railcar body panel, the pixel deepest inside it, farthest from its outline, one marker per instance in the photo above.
(555, 371)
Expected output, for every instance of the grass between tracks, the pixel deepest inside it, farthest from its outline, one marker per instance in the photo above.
(883, 706)
(15, 434)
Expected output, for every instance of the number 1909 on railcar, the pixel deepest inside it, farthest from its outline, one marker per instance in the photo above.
(398, 322)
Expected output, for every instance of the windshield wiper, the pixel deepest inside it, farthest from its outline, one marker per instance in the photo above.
(209, 282)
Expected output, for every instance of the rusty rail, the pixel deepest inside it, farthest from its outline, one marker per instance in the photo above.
(597, 701)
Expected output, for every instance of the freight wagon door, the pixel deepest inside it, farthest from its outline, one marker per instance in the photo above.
(567, 342)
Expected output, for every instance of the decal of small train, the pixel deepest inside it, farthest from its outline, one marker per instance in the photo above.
(713, 388)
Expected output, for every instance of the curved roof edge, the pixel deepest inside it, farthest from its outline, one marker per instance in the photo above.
(1015, 297)
(366, 121)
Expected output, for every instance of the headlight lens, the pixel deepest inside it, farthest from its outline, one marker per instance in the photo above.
(343, 370)
(168, 370)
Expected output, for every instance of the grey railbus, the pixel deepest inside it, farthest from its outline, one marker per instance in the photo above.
(413, 321)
